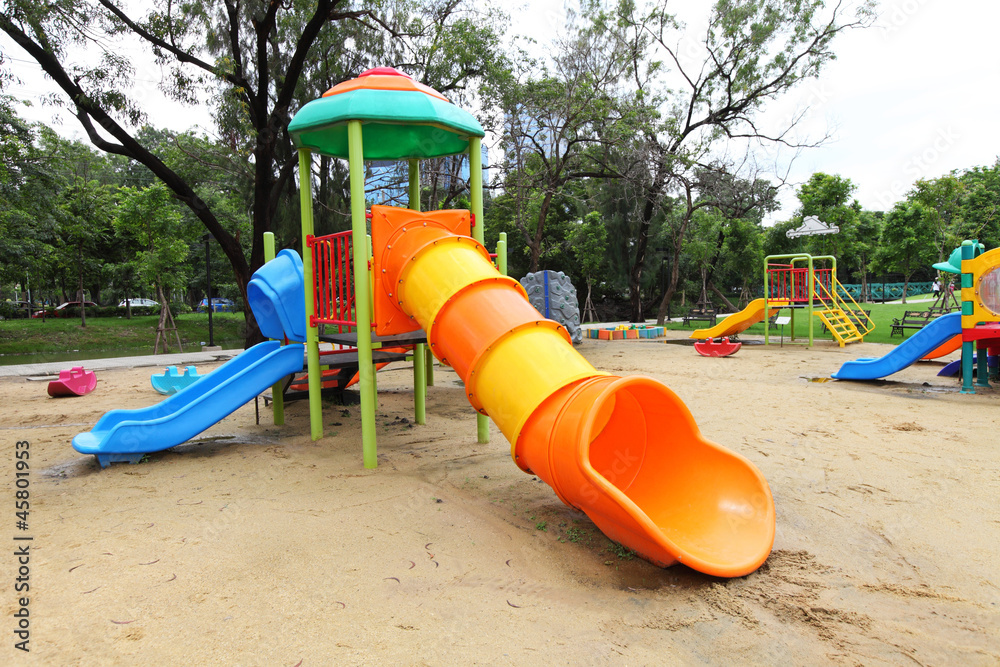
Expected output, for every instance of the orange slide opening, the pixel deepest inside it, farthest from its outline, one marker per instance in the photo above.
(629, 454)
(626, 451)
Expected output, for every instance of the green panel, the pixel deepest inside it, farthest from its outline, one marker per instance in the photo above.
(397, 125)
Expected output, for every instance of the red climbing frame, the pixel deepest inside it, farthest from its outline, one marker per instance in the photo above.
(332, 280)
(788, 283)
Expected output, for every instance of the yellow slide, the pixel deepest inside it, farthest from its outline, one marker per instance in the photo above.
(741, 321)
(625, 450)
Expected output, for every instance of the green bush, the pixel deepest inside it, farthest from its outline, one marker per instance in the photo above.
(179, 308)
(137, 311)
(10, 311)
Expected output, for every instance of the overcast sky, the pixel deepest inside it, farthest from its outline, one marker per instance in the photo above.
(913, 97)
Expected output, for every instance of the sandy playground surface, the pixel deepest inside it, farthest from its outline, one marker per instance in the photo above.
(253, 545)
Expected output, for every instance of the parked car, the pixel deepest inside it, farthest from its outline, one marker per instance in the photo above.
(139, 302)
(60, 310)
(219, 305)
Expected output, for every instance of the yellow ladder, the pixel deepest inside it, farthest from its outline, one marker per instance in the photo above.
(846, 320)
(840, 325)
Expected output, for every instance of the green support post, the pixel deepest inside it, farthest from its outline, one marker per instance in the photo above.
(312, 333)
(812, 292)
(419, 350)
(982, 367)
(476, 191)
(277, 398)
(502, 254)
(362, 300)
(375, 346)
(429, 366)
(767, 320)
(968, 347)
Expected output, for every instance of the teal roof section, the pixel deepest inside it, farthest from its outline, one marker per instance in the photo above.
(954, 263)
(396, 125)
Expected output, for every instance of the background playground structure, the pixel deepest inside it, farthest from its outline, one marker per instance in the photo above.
(817, 292)
(980, 312)
(977, 325)
(800, 286)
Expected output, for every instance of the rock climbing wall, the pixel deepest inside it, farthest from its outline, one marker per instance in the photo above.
(552, 293)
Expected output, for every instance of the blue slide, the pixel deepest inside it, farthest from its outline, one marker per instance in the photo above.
(909, 351)
(275, 296)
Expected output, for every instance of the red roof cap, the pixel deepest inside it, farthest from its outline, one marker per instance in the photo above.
(384, 71)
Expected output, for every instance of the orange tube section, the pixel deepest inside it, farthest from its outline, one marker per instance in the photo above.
(626, 451)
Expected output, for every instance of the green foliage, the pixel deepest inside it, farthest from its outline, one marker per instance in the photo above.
(589, 244)
(907, 240)
(148, 214)
(979, 209)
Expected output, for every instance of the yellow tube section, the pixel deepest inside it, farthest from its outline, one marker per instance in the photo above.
(624, 450)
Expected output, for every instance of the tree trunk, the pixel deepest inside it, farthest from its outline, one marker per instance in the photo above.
(675, 269)
(717, 292)
(83, 307)
(536, 241)
(661, 313)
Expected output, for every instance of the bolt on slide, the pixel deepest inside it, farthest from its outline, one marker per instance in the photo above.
(624, 450)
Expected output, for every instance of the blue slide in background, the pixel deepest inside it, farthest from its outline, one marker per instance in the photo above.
(276, 295)
(909, 351)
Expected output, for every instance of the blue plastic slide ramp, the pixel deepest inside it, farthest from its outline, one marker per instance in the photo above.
(909, 351)
(276, 294)
(125, 435)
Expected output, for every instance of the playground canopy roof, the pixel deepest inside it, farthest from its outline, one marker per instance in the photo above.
(402, 119)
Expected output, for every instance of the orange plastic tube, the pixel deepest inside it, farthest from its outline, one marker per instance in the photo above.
(624, 450)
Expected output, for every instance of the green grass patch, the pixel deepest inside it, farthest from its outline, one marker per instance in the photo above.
(32, 338)
(882, 315)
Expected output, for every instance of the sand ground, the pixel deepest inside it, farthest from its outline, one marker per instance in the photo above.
(253, 545)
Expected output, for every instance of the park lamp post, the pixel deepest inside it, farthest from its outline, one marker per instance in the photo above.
(208, 291)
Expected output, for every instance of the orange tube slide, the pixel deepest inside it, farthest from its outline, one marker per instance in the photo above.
(626, 451)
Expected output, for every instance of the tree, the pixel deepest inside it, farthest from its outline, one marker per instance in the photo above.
(710, 189)
(829, 198)
(260, 61)
(148, 213)
(942, 197)
(555, 124)
(84, 215)
(907, 241)
(26, 202)
(589, 243)
(754, 51)
(867, 232)
(980, 206)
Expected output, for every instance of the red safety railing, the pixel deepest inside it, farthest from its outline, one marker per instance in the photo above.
(333, 286)
(791, 283)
